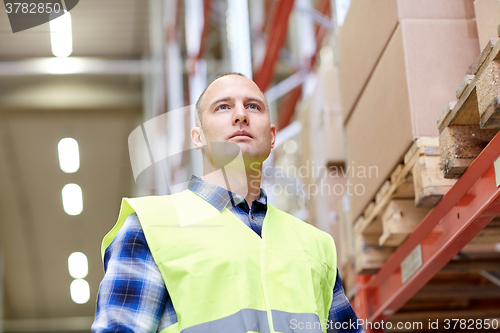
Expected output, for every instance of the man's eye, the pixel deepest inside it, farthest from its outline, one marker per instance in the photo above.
(253, 106)
(222, 107)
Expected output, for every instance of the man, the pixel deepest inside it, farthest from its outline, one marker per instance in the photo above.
(186, 263)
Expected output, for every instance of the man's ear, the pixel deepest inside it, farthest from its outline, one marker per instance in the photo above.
(197, 137)
(273, 135)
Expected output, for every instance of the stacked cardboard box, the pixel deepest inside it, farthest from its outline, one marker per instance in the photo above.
(401, 61)
(322, 148)
(367, 29)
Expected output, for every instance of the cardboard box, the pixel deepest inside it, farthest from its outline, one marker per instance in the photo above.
(329, 121)
(487, 19)
(367, 28)
(322, 134)
(417, 75)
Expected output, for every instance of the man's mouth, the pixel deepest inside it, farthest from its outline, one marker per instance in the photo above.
(241, 134)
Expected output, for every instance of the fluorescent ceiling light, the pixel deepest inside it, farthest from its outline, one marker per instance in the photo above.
(72, 199)
(69, 156)
(78, 265)
(62, 65)
(80, 291)
(61, 36)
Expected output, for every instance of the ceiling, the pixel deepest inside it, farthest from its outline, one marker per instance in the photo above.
(111, 28)
(99, 111)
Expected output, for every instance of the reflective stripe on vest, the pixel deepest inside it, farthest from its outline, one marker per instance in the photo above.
(223, 277)
(250, 320)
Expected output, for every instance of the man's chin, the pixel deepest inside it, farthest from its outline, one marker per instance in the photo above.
(252, 158)
(249, 153)
(245, 146)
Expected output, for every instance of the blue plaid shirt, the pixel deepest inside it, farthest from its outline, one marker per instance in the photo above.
(132, 296)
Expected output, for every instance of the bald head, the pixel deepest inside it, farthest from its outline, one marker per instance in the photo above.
(233, 109)
(200, 103)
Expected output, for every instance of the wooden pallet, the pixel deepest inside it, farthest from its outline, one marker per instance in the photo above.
(420, 177)
(467, 125)
(400, 204)
(399, 220)
(400, 217)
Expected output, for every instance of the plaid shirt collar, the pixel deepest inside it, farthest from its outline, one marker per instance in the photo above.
(220, 197)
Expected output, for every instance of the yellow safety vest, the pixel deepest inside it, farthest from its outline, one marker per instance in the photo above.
(223, 278)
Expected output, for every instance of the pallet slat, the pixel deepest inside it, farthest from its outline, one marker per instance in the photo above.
(460, 145)
(490, 118)
(399, 220)
(429, 182)
(483, 56)
(461, 88)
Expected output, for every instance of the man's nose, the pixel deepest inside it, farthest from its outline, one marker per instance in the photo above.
(240, 115)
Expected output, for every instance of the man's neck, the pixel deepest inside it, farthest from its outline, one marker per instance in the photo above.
(244, 182)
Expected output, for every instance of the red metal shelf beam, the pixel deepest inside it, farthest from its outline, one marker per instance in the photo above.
(275, 38)
(191, 62)
(460, 215)
(288, 109)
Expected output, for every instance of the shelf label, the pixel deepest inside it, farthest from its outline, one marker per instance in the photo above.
(496, 165)
(411, 263)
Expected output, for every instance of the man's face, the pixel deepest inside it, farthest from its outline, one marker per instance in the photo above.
(234, 110)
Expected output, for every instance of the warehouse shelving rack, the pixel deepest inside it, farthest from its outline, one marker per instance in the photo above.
(472, 203)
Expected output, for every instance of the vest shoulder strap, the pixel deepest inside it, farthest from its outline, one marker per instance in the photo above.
(130, 206)
(150, 209)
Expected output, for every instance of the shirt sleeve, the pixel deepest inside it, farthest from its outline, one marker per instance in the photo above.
(341, 318)
(132, 296)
